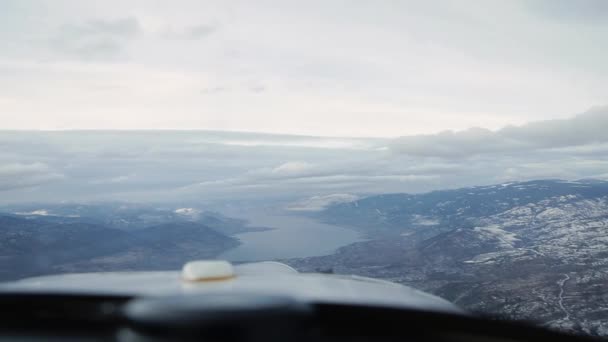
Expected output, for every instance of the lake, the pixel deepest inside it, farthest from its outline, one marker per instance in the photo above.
(293, 237)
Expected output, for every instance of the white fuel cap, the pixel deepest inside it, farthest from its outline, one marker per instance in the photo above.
(207, 270)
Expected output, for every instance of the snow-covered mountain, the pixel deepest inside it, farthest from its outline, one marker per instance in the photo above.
(533, 250)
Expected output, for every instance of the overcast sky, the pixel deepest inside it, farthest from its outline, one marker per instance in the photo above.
(330, 68)
(348, 97)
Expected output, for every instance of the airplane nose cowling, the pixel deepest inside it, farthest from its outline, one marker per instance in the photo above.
(241, 316)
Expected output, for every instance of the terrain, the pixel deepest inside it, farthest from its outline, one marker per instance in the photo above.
(533, 250)
(37, 240)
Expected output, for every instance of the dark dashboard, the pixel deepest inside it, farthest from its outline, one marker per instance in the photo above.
(240, 317)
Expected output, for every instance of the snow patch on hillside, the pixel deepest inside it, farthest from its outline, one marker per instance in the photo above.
(505, 238)
(425, 220)
(190, 213)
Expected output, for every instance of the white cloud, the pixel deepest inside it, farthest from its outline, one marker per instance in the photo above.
(23, 175)
(201, 166)
(300, 141)
(114, 180)
(584, 129)
(585, 12)
(294, 168)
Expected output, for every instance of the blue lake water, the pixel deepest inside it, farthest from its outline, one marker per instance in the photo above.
(293, 236)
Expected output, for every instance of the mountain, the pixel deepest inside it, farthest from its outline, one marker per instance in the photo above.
(38, 246)
(127, 216)
(531, 250)
(425, 215)
(35, 246)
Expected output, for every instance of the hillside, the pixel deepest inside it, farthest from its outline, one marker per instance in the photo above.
(33, 246)
(532, 250)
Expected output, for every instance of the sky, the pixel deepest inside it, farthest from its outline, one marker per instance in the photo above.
(322, 68)
(307, 102)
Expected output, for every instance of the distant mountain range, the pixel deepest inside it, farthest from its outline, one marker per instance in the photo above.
(527, 250)
(38, 240)
(127, 216)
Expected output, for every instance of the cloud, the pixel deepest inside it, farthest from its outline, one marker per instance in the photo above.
(208, 166)
(114, 180)
(21, 175)
(298, 142)
(584, 129)
(293, 169)
(296, 178)
(195, 32)
(283, 173)
(584, 11)
(96, 39)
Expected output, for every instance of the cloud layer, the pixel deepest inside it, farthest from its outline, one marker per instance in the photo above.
(17, 176)
(227, 166)
(585, 129)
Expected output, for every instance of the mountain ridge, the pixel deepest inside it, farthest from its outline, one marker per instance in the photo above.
(535, 250)
(35, 246)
